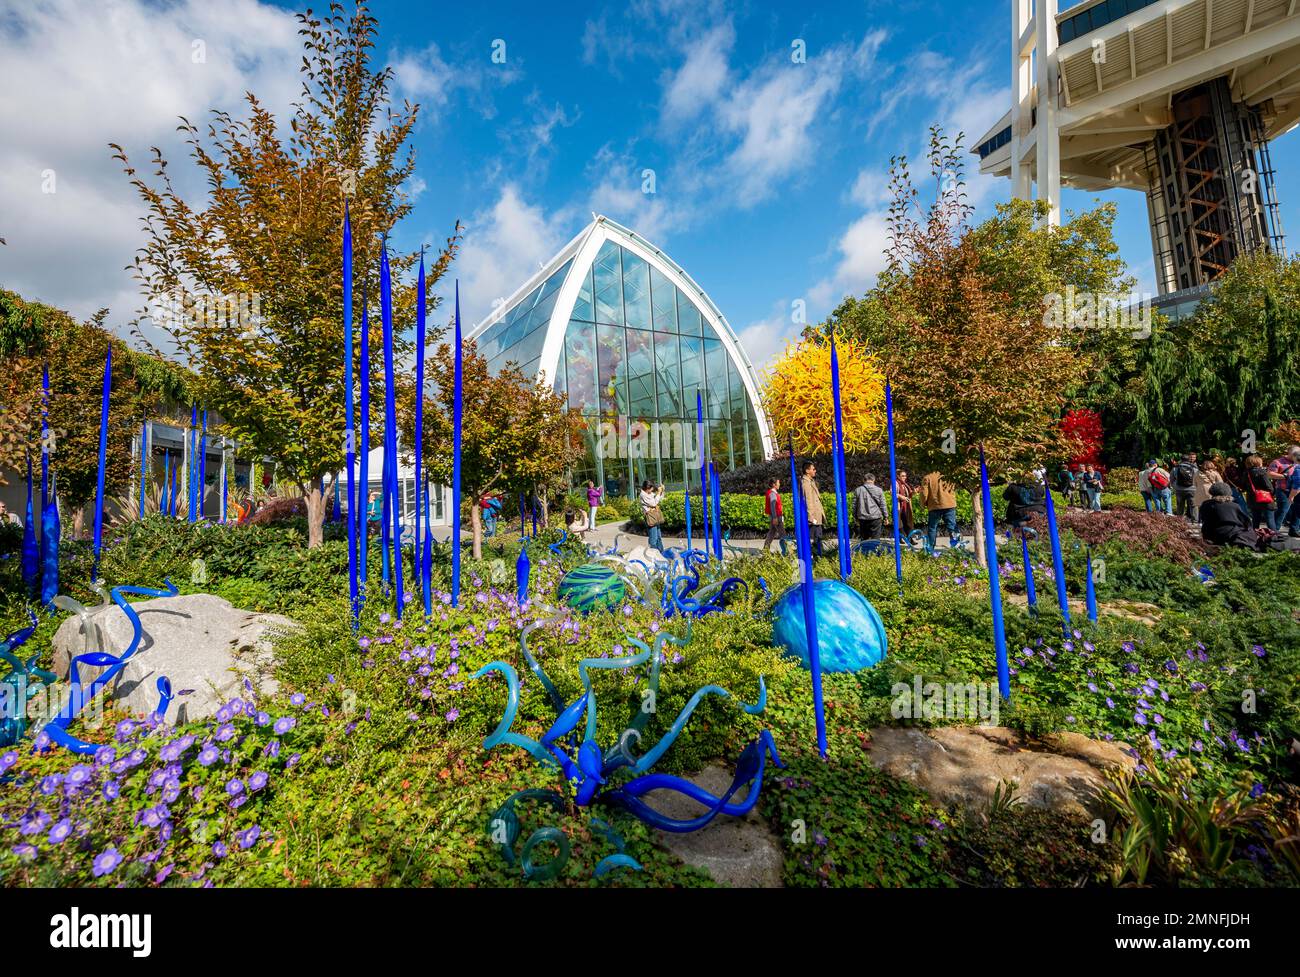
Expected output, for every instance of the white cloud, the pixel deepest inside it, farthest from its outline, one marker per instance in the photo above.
(699, 82)
(765, 339)
(77, 76)
(503, 247)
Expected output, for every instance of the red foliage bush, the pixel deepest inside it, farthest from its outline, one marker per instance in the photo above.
(1084, 426)
(1147, 532)
(278, 510)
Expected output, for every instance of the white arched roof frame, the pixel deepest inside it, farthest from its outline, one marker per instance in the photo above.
(583, 250)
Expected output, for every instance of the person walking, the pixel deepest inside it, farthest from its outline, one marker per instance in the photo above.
(1259, 494)
(593, 502)
(939, 499)
(812, 503)
(1292, 489)
(869, 508)
(1183, 478)
(650, 498)
(1158, 478)
(1092, 488)
(1067, 483)
(1206, 478)
(903, 492)
(775, 516)
(1144, 488)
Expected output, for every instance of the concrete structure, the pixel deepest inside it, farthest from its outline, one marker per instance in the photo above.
(629, 337)
(1174, 98)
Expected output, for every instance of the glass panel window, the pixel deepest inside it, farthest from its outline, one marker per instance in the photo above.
(584, 306)
(738, 402)
(611, 373)
(664, 301)
(641, 374)
(580, 362)
(718, 397)
(636, 291)
(609, 285)
(668, 366)
(692, 371)
(688, 316)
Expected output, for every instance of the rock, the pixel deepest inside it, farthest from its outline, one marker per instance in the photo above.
(965, 764)
(738, 852)
(199, 642)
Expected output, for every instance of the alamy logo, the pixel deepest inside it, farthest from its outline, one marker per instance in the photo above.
(133, 931)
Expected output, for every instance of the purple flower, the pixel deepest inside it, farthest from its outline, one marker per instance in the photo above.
(8, 760)
(234, 787)
(224, 732)
(248, 838)
(106, 861)
(258, 780)
(297, 699)
(1258, 650)
(60, 832)
(112, 790)
(208, 755)
(219, 849)
(1140, 718)
(24, 850)
(283, 725)
(452, 715)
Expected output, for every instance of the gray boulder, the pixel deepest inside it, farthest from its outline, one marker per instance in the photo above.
(205, 646)
(736, 852)
(966, 764)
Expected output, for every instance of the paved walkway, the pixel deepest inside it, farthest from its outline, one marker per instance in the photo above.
(602, 537)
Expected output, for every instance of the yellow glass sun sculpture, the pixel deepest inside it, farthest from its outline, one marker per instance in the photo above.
(798, 398)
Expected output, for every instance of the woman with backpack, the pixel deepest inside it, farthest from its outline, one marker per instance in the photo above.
(1259, 494)
(1158, 479)
(1092, 488)
(1024, 498)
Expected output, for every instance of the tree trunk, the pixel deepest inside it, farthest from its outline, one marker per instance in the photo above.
(315, 496)
(977, 508)
(476, 524)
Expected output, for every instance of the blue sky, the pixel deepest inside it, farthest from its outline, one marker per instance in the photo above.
(769, 175)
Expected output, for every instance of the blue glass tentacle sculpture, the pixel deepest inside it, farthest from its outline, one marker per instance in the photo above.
(57, 728)
(590, 770)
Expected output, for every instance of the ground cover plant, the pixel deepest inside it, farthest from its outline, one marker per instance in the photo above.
(367, 768)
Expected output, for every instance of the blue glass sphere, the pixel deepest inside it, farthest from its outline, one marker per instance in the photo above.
(850, 634)
(590, 586)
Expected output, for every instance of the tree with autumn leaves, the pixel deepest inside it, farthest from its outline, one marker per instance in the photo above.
(249, 280)
(34, 335)
(517, 434)
(972, 359)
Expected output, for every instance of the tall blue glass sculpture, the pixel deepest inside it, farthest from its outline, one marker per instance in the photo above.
(390, 427)
(457, 422)
(144, 464)
(363, 490)
(103, 453)
(893, 487)
(31, 565)
(356, 520)
(192, 487)
(420, 305)
(1031, 592)
(995, 583)
(704, 470)
(842, 531)
(809, 604)
(200, 490)
(1090, 592)
(716, 487)
(1058, 561)
(50, 530)
(522, 568)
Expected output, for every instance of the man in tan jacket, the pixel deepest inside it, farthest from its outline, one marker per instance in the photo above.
(939, 498)
(812, 500)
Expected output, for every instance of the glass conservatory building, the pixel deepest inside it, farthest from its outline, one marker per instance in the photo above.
(627, 336)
